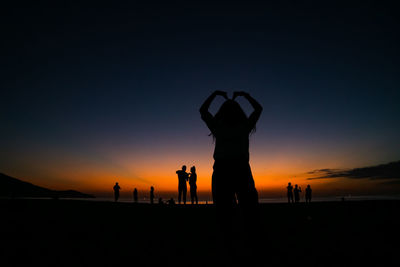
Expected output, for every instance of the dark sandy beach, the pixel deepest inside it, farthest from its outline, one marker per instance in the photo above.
(84, 233)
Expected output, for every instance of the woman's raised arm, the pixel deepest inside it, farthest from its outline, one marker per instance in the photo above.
(206, 105)
(257, 107)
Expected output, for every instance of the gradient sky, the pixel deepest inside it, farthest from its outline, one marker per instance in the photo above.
(94, 94)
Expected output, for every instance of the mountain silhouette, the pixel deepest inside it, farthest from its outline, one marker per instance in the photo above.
(13, 187)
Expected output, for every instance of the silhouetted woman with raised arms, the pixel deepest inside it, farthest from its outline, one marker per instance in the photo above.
(232, 175)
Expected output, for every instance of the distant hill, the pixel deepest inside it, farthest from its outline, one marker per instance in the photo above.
(12, 187)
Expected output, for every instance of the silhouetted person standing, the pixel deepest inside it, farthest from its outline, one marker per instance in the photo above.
(183, 176)
(308, 194)
(296, 191)
(116, 191)
(193, 185)
(151, 195)
(290, 192)
(232, 175)
(135, 195)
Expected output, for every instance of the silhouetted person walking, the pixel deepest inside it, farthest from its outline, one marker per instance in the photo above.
(116, 191)
(232, 175)
(152, 195)
(135, 195)
(183, 176)
(308, 194)
(290, 192)
(193, 185)
(296, 191)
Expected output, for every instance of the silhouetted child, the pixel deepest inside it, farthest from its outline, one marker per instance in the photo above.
(160, 201)
(183, 176)
(151, 195)
(193, 186)
(290, 192)
(296, 191)
(230, 128)
(116, 191)
(308, 194)
(135, 195)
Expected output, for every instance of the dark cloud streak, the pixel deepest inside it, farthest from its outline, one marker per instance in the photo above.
(383, 171)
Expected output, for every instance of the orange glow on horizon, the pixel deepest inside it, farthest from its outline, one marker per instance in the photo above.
(143, 169)
(271, 183)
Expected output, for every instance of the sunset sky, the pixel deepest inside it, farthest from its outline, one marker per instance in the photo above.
(92, 95)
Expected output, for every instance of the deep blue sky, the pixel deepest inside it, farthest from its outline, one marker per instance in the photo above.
(89, 79)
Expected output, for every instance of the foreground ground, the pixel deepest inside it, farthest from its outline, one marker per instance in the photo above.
(84, 233)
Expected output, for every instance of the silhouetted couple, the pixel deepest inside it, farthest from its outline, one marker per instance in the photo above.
(183, 177)
(290, 192)
(296, 192)
(232, 178)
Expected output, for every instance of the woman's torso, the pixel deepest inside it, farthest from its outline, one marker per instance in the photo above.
(231, 143)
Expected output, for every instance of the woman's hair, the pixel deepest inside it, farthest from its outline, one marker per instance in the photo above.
(193, 169)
